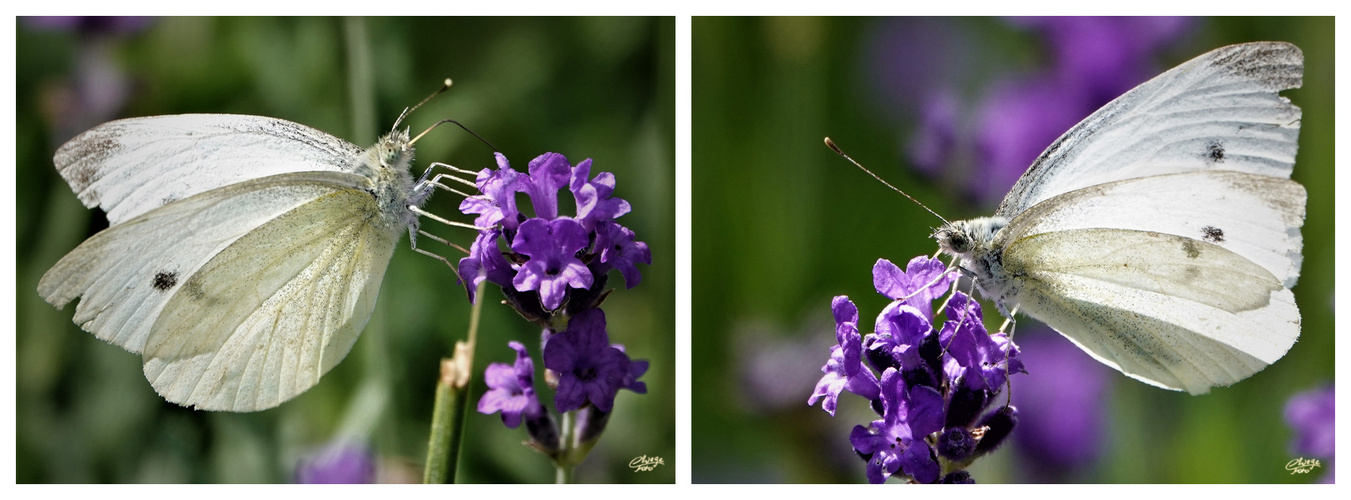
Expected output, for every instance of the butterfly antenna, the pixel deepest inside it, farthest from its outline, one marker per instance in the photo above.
(444, 87)
(461, 125)
(831, 144)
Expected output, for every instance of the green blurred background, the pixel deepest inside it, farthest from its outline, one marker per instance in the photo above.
(782, 224)
(600, 88)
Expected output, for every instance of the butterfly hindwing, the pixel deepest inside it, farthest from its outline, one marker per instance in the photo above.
(125, 274)
(266, 317)
(1174, 312)
(1255, 216)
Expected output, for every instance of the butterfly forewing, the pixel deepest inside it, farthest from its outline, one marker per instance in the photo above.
(1219, 111)
(108, 165)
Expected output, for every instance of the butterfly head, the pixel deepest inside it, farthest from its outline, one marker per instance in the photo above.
(395, 151)
(961, 238)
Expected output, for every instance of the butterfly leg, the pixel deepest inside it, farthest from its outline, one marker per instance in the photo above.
(1009, 322)
(438, 239)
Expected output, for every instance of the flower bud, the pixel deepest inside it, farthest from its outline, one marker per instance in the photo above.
(1000, 423)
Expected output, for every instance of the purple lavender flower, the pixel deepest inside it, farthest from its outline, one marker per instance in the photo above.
(589, 369)
(594, 204)
(845, 369)
(982, 361)
(553, 266)
(901, 329)
(339, 463)
(896, 442)
(935, 385)
(511, 389)
(619, 251)
(498, 202)
(1311, 415)
(923, 280)
(549, 172)
(485, 261)
(636, 369)
(553, 259)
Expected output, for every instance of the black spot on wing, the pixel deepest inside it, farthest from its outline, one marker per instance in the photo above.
(1215, 152)
(1212, 234)
(164, 280)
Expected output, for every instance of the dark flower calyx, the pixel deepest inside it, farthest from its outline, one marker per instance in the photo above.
(880, 358)
(956, 444)
(1000, 423)
(919, 377)
(959, 477)
(932, 353)
(965, 406)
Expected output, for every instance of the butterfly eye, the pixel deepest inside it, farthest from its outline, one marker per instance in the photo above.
(959, 242)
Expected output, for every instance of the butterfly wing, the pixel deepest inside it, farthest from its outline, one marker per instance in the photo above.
(1257, 217)
(125, 274)
(1171, 311)
(1219, 111)
(248, 313)
(266, 317)
(191, 154)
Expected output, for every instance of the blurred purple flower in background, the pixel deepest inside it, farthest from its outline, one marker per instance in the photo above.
(1312, 416)
(98, 87)
(1062, 415)
(90, 24)
(923, 64)
(343, 462)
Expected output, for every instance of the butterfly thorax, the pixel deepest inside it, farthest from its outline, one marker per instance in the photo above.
(386, 164)
(976, 242)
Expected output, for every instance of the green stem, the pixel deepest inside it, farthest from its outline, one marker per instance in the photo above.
(444, 417)
(451, 405)
(360, 79)
(563, 461)
(563, 475)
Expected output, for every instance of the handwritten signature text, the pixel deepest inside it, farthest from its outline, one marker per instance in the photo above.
(645, 463)
(1302, 465)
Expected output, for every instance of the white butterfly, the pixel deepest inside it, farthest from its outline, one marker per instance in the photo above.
(1162, 233)
(244, 253)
